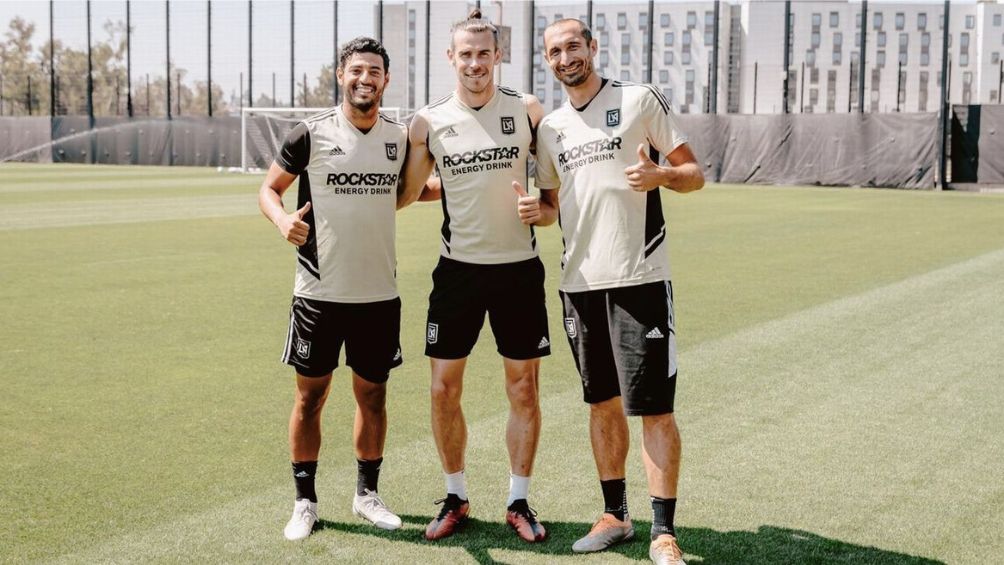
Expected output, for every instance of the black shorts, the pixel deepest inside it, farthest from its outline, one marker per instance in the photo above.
(624, 344)
(370, 332)
(511, 293)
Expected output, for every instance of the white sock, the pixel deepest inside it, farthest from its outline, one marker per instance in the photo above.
(519, 487)
(456, 484)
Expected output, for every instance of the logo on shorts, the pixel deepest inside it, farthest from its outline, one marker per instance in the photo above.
(391, 151)
(570, 327)
(654, 334)
(302, 348)
(397, 356)
(508, 125)
(613, 117)
(543, 343)
(432, 333)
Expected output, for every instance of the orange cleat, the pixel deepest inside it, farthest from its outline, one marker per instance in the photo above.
(451, 518)
(523, 520)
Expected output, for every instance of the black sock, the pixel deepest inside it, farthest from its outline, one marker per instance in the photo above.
(662, 522)
(303, 476)
(615, 497)
(368, 475)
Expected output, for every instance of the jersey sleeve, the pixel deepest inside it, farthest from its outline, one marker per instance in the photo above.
(294, 155)
(661, 127)
(545, 176)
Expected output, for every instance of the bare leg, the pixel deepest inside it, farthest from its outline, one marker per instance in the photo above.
(448, 425)
(608, 432)
(370, 429)
(523, 429)
(661, 452)
(305, 420)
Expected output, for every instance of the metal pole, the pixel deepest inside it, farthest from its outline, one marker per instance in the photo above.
(167, 77)
(861, 56)
(209, 58)
(147, 94)
(428, 15)
(292, 68)
(1, 95)
(241, 93)
(850, 85)
(787, 49)
(118, 92)
(90, 77)
(250, 75)
(52, 69)
(129, 109)
(589, 13)
(755, 69)
(334, 60)
(1000, 81)
(801, 93)
(380, 21)
(178, 86)
(946, 70)
(899, 85)
(530, 43)
(27, 100)
(305, 90)
(273, 90)
(714, 61)
(651, 41)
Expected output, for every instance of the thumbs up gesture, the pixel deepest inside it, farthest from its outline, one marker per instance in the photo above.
(293, 228)
(528, 207)
(645, 174)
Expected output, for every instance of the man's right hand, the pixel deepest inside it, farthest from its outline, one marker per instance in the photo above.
(293, 228)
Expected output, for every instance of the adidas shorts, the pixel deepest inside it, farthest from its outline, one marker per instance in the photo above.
(512, 294)
(624, 344)
(370, 332)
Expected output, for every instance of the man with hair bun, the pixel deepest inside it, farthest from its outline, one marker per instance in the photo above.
(478, 138)
(600, 151)
(349, 161)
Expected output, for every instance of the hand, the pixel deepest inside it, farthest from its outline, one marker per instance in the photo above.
(528, 207)
(645, 175)
(293, 228)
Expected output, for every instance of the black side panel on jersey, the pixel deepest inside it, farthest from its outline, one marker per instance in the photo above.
(655, 223)
(306, 254)
(446, 213)
(295, 152)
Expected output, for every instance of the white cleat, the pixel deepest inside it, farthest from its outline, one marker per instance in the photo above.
(302, 522)
(371, 508)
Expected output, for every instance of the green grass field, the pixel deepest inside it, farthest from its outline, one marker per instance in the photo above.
(841, 396)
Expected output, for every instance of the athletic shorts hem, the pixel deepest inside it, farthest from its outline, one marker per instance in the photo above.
(375, 376)
(526, 356)
(309, 372)
(446, 356)
(648, 412)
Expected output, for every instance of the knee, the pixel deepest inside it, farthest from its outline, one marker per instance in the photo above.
(372, 399)
(309, 403)
(522, 392)
(444, 394)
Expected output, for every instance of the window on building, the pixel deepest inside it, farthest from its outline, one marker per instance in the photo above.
(970, 22)
(541, 76)
(541, 95)
(837, 57)
(625, 56)
(691, 20)
(877, 20)
(964, 41)
(880, 58)
(857, 38)
(964, 59)
(922, 21)
(643, 20)
(667, 58)
(685, 58)
(690, 87)
(709, 38)
(668, 38)
(810, 57)
(664, 20)
(604, 39)
(995, 57)
(922, 92)
(668, 93)
(815, 39)
(541, 23)
(663, 76)
(904, 45)
(925, 59)
(686, 38)
(900, 20)
(814, 75)
(604, 58)
(834, 19)
(997, 20)
(709, 19)
(993, 96)
(621, 20)
(813, 96)
(880, 39)
(876, 83)
(941, 21)
(817, 20)
(967, 77)
(831, 91)
(902, 91)
(925, 39)
(601, 21)
(625, 75)
(838, 40)
(645, 50)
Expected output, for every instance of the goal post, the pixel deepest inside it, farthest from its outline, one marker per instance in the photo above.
(263, 131)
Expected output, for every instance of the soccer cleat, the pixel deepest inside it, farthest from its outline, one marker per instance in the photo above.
(523, 520)
(664, 551)
(606, 531)
(302, 522)
(372, 508)
(451, 517)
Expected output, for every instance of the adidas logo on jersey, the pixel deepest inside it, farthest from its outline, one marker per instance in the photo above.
(451, 132)
(654, 334)
(336, 151)
(560, 138)
(543, 343)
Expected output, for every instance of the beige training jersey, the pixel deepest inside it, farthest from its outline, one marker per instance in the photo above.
(478, 153)
(350, 178)
(614, 236)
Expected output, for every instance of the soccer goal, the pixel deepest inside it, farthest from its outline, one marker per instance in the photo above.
(264, 129)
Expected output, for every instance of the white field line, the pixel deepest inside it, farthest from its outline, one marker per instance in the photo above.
(249, 527)
(138, 210)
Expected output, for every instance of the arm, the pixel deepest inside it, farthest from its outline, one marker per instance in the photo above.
(291, 226)
(535, 112)
(418, 164)
(548, 207)
(682, 175)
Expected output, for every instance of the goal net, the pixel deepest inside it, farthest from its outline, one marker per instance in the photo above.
(264, 129)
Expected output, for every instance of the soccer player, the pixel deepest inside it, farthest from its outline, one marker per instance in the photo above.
(601, 151)
(478, 138)
(349, 160)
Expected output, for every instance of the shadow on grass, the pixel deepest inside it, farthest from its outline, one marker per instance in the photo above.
(769, 544)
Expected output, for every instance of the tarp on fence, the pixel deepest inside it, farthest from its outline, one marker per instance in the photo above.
(978, 144)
